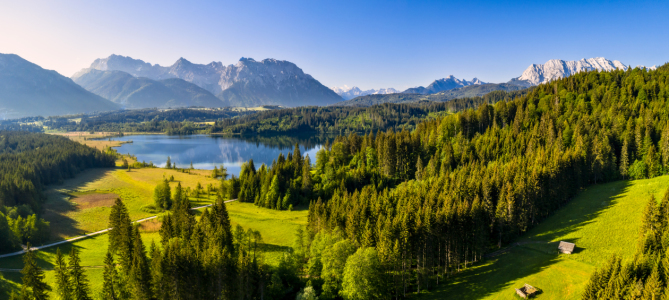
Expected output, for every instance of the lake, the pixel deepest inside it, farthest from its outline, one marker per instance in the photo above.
(205, 151)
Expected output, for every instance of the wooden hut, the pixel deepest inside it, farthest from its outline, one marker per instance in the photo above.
(566, 247)
(526, 291)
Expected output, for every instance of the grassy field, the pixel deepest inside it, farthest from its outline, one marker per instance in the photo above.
(82, 204)
(277, 228)
(601, 221)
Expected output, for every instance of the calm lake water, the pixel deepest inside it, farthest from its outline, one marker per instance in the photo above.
(206, 151)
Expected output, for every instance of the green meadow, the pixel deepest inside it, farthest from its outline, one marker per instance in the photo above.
(603, 220)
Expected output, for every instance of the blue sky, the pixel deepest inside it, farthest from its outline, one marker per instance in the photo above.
(370, 44)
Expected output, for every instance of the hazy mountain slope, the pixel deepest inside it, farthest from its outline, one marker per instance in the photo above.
(463, 92)
(247, 83)
(443, 84)
(26, 89)
(132, 92)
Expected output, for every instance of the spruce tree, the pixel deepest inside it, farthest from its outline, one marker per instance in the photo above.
(63, 287)
(624, 160)
(78, 280)
(111, 285)
(140, 275)
(33, 278)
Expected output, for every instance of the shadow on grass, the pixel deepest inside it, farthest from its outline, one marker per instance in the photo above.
(58, 205)
(275, 248)
(579, 212)
(536, 253)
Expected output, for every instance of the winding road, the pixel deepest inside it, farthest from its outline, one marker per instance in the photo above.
(89, 235)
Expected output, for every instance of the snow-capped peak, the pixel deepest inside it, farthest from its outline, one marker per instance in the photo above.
(347, 92)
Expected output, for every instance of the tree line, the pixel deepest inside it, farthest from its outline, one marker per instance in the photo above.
(28, 162)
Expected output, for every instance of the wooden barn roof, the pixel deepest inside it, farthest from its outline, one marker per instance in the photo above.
(566, 246)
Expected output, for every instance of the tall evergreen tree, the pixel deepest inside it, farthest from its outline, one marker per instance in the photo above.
(33, 278)
(63, 286)
(78, 280)
(140, 275)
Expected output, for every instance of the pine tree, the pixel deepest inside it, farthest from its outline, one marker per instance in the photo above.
(112, 285)
(168, 164)
(419, 169)
(78, 280)
(63, 286)
(33, 278)
(140, 275)
(624, 160)
(120, 235)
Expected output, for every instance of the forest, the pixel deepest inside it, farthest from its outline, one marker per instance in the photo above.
(28, 162)
(432, 201)
(312, 120)
(393, 213)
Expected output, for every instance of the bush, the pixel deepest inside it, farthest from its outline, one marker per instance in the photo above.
(150, 208)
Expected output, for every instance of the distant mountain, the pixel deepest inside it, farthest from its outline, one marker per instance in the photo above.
(443, 84)
(556, 68)
(247, 83)
(132, 92)
(352, 92)
(477, 90)
(26, 89)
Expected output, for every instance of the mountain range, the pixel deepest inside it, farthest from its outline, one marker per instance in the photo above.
(27, 89)
(352, 92)
(556, 68)
(247, 83)
(451, 87)
(133, 92)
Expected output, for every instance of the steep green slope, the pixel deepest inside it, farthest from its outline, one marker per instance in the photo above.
(602, 221)
(26, 89)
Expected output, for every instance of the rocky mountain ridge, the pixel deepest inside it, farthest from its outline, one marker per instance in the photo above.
(443, 84)
(556, 68)
(246, 83)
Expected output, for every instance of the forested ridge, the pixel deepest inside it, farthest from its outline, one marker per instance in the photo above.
(28, 162)
(344, 120)
(433, 200)
(301, 120)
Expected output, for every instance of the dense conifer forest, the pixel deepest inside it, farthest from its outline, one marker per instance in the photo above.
(28, 162)
(432, 201)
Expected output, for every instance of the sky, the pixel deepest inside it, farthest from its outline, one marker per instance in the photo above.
(369, 44)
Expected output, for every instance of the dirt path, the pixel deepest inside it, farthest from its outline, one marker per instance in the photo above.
(86, 236)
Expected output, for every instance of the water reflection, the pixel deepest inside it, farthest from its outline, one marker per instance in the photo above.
(205, 152)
